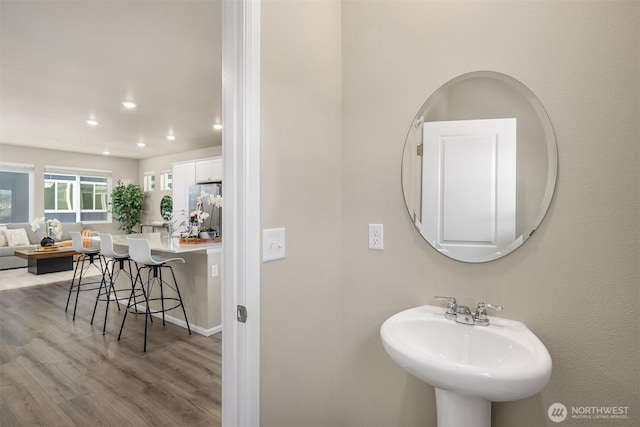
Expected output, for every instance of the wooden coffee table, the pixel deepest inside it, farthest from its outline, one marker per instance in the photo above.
(41, 262)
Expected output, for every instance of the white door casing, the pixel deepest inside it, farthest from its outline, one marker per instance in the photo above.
(241, 210)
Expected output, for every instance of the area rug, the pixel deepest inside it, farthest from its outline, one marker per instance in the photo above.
(21, 278)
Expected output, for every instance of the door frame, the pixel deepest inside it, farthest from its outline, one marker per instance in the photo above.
(241, 212)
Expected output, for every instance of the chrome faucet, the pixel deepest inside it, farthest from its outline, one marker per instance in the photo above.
(462, 313)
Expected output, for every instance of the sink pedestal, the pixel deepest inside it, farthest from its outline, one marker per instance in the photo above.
(454, 410)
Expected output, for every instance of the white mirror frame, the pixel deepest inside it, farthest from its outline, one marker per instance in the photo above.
(537, 155)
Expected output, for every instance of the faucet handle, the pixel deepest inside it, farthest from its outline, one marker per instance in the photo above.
(451, 303)
(452, 307)
(482, 306)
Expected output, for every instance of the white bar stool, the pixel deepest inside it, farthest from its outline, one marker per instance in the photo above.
(88, 257)
(140, 253)
(111, 274)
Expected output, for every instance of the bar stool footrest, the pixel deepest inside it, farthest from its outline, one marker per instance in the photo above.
(154, 311)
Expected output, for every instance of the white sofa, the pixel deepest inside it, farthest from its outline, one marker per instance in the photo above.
(9, 260)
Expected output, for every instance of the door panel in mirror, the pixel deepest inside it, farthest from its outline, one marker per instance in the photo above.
(469, 201)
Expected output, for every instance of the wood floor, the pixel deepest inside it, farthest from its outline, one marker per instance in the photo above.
(57, 372)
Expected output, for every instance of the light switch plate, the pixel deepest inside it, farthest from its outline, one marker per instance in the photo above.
(273, 244)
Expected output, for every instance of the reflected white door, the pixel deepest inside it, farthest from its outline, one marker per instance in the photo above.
(469, 185)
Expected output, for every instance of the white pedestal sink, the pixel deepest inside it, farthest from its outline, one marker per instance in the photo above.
(470, 366)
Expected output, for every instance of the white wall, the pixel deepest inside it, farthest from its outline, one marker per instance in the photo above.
(574, 283)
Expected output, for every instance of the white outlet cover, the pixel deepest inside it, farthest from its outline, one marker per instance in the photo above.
(376, 236)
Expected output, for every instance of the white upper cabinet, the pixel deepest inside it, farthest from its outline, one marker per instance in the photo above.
(209, 170)
(190, 173)
(184, 175)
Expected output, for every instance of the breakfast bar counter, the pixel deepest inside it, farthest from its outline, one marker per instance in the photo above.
(162, 242)
(198, 278)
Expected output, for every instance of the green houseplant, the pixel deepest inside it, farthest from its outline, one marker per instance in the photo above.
(127, 204)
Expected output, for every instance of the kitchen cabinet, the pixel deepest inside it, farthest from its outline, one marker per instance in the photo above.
(209, 170)
(184, 176)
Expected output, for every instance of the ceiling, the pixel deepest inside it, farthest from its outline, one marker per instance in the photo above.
(64, 62)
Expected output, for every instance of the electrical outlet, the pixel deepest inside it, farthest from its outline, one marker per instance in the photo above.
(376, 236)
(214, 270)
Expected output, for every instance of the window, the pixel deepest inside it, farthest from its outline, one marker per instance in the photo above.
(149, 181)
(166, 180)
(93, 200)
(76, 197)
(58, 192)
(16, 189)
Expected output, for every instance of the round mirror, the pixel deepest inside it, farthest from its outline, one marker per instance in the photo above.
(479, 166)
(166, 208)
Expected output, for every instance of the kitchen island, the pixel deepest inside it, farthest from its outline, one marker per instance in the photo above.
(198, 279)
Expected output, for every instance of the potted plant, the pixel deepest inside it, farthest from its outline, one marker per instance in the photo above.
(127, 204)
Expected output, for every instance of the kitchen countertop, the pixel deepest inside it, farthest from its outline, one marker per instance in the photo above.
(163, 243)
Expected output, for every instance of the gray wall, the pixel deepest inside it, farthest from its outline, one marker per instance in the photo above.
(301, 190)
(127, 170)
(122, 169)
(574, 283)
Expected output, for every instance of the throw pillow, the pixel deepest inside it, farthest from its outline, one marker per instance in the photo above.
(17, 237)
(3, 237)
(87, 233)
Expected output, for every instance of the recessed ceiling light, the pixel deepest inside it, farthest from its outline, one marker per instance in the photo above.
(92, 122)
(171, 137)
(129, 104)
(217, 126)
(140, 144)
(106, 153)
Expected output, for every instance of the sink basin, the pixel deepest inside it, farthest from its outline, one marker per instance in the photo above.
(468, 365)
